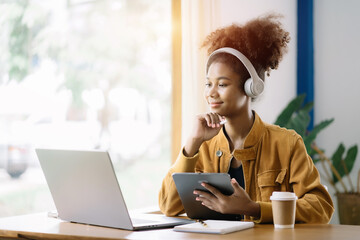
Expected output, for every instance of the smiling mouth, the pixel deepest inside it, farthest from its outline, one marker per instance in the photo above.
(215, 104)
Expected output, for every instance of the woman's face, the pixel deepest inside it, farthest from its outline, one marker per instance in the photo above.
(223, 91)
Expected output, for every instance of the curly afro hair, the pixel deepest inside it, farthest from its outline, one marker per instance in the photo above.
(262, 40)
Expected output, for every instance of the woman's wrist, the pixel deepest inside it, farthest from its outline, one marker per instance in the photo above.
(253, 209)
(192, 147)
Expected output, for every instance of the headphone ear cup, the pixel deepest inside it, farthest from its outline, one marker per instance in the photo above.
(247, 87)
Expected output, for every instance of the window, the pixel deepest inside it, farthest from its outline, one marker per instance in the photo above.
(84, 74)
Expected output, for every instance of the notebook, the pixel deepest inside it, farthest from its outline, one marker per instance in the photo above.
(85, 189)
(214, 226)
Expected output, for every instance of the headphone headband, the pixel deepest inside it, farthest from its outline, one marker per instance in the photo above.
(254, 87)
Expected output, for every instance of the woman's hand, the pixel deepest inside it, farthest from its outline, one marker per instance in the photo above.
(237, 203)
(206, 126)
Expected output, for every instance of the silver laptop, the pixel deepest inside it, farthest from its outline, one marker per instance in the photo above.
(85, 189)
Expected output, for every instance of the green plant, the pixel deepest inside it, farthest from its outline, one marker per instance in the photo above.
(296, 116)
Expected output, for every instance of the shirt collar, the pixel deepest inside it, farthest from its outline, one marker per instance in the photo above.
(255, 133)
(250, 143)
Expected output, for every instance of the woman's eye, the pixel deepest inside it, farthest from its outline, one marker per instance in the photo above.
(207, 84)
(222, 85)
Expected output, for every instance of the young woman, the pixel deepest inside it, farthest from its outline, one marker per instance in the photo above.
(260, 157)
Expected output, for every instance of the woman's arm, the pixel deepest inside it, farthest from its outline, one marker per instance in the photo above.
(169, 200)
(314, 204)
(205, 128)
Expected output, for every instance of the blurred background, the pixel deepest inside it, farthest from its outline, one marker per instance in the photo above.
(84, 75)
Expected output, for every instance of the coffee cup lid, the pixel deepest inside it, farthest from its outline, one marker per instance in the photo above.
(283, 196)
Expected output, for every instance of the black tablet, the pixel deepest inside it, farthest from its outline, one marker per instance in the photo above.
(186, 183)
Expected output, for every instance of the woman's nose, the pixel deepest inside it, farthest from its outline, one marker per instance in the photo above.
(212, 91)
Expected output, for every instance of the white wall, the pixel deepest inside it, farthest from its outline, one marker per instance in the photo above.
(280, 87)
(337, 51)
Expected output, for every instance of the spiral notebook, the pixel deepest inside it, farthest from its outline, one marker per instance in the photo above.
(214, 226)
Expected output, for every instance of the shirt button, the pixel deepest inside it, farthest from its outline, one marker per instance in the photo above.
(219, 153)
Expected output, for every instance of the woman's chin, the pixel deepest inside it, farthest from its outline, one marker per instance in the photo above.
(217, 110)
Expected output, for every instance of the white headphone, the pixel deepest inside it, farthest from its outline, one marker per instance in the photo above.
(254, 86)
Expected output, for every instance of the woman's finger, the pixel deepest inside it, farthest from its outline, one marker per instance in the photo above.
(209, 205)
(214, 120)
(207, 119)
(203, 194)
(206, 199)
(212, 189)
(236, 186)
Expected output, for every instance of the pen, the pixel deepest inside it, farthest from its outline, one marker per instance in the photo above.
(202, 222)
(223, 122)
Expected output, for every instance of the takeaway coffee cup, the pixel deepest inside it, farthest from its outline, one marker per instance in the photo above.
(283, 207)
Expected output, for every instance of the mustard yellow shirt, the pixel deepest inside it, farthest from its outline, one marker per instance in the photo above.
(273, 159)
